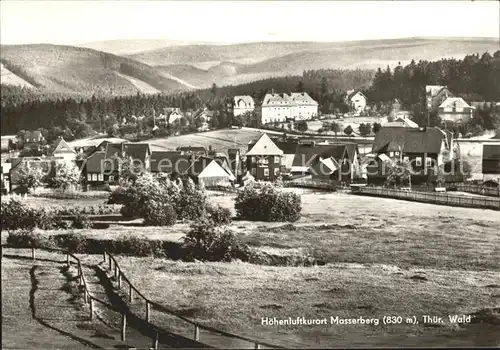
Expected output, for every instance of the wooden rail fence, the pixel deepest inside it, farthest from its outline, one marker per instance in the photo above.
(133, 291)
(478, 189)
(89, 300)
(429, 197)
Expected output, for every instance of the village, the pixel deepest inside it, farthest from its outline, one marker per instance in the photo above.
(434, 153)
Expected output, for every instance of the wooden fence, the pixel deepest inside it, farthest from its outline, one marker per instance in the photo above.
(89, 300)
(322, 185)
(134, 292)
(429, 197)
(485, 191)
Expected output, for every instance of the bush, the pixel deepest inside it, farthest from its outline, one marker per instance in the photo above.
(73, 242)
(218, 214)
(135, 246)
(26, 238)
(266, 203)
(82, 221)
(159, 214)
(17, 215)
(191, 202)
(206, 242)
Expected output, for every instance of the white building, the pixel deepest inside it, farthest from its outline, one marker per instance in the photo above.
(305, 107)
(280, 107)
(243, 104)
(356, 101)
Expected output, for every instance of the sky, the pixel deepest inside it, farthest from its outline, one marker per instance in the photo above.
(78, 22)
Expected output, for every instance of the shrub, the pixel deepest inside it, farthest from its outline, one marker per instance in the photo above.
(73, 242)
(26, 238)
(266, 203)
(191, 202)
(135, 246)
(159, 214)
(17, 215)
(206, 242)
(82, 221)
(218, 214)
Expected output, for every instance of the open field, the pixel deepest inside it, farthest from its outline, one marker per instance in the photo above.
(235, 297)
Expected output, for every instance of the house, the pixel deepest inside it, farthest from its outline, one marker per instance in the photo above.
(356, 101)
(4, 174)
(138, 153)
(338, 161)
(305, 107)
(264, 159)
(403, 121)
(424, 148)
(93, 170)
(276, 108)
(61, 149)
(283, 107)
(32, 138)
(289, 148)
(209, 173)
(199, 150)
(491, 162)
(204, 116)
(170, 115)
(455, 109)
(243, 104)
(18, 166)
(435, 95)
(170, 163)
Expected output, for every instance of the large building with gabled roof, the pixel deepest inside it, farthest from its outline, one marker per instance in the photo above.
(264, 159)
(284, 107)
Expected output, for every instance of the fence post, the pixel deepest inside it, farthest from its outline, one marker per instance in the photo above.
(119, 279)
(85, 295)
(196, 333)
(130, 292)
(124, 326)
(155, 341)
(116, 271)
(33, 253)
(147, 311)
(257, 346)
(104, 256)
(91, 308)
(67, 259)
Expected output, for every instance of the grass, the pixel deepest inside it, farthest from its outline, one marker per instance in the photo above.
(235, 297)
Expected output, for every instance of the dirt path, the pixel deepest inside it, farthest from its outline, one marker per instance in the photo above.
(42, 309)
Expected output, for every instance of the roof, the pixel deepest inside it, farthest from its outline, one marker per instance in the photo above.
(484, 104)
(264, 147)
(454, 102)
(37, 135)
(137, 151)
(353, 93)
(402, 122)
(113, 150)
(491, 159)
(408, 140)
(277, 100)
(62, 146)
(302, 98)
(233, 151)
(325, 166)
(308, 155)
(433, 90)
(191, 149)
(94, 162)
(213, 169)
(288, 146)
(247, 100)
(159, 156)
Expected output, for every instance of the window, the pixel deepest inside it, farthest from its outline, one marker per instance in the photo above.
(111, 178)
(428, 161)
(276, 171)
(418, 161)
(266, 172)
(89, 177)
(94, 177)
(100, 177)
(276, 159)
(406, 159)
(265, 161)
(396, 153)
(391, 154)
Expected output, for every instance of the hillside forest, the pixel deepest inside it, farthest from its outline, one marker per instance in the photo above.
(475, 78)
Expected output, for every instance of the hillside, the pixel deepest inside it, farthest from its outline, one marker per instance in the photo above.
(69, 69)
(202, 65)
(133, 46)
